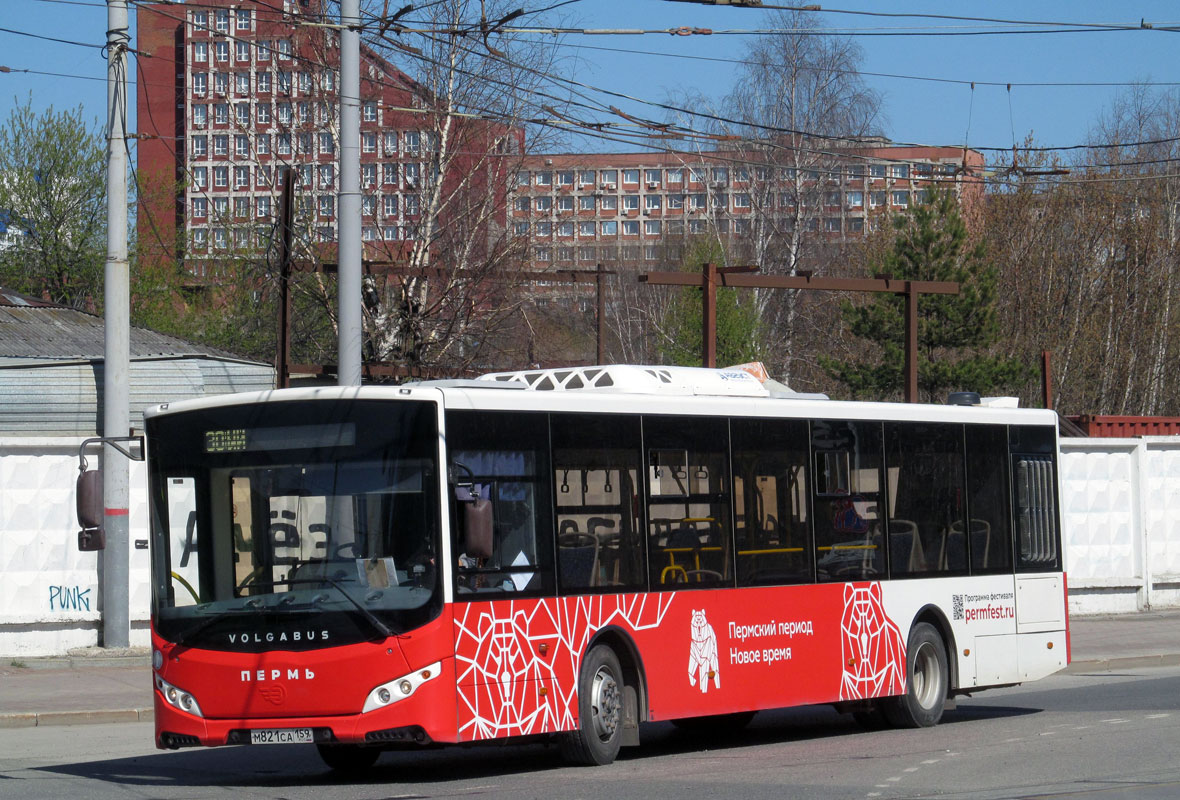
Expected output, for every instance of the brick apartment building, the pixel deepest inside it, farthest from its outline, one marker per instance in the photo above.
(639, 208)
(231, 92)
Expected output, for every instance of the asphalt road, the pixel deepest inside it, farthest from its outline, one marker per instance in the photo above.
(1101, 736)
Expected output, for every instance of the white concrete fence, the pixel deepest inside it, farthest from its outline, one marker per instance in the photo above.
(1120, 502)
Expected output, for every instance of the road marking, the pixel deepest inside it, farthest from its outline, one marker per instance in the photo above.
(1157, 716)
(931, 761)
(1115, 721)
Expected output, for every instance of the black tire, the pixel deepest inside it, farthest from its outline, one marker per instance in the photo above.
(600, 710)
(716, 723)
(348, 758)
(926, 682)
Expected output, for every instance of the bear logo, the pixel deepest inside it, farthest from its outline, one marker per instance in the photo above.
(872, 647)
(702, 653)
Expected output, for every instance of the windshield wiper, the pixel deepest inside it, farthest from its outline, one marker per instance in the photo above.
(369, 616)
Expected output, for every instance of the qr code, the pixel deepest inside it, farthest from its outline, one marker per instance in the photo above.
(957, 607)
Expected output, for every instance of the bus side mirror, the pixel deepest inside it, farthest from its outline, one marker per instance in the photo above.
(90, 512)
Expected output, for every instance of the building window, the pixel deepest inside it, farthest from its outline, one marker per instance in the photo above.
(586, 177)
(368, 175)
(741, 226)
(200, 177)
(651, 202)
(520, 229)
(327, 144)
(221, 113)
(899, 170)
(243, 17)
(856, 225)
(200, 51)
(284, 47)
(241, 145)
(221, 49)
(264, 81)
(565, 178)
(876, 199)
(832, 224)
(565, 229)
(855, 199)
(609, 203)
(652, 177)
(720, 200)
(284, 144)
(369, 205)
(544, 229)
(200, 83)
(326, 205)
(390, 143)
(220, 145)
(586, 202)
(651, 227)
(697, 202)
(719, 174)
(674, 175)
(241, 207)
(284, 82)
(876, 170)
(304, 79)
(389, 205)
(832, 199)
(651, 252)
(412, 205)
(221, 82)
(901, 199)
(200, 147)
(608, 177)
(242, 112)
(221, 20)
(327, 175)
(630, 202)
(521, 204)
(241, 177)
(369, 111)
(586, 229)
(262, 175)
(412, 174)
(263, 113)
(220, 239)
(200, 207)
(696, 174)
(242, 83)
(565, 203)
(201, 19)
(543, 254)
(200, 116)
(220, 177)
(631, 228)
(610, 228)
(242, 51)
(369, 142)
(220, 207)
(413, 141)
(543, 203)
(389, 174)
(675, 201)
(544, 178)
(630, 176)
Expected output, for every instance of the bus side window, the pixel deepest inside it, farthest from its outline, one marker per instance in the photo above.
(924, 469)
(847, 503)
(689, 527)
(596, 469)
(987, 498)
(1034, 497)
(507, 456)
(772, 527)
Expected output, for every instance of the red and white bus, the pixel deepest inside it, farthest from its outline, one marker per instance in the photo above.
(573, 552)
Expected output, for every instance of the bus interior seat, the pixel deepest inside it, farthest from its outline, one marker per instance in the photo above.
(577, 557)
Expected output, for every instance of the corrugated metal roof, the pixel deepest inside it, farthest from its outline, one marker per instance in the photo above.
(64, 399)
(34, 329)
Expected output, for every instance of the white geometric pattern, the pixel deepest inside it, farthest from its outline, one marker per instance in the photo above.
(871, 644)
(517, 661)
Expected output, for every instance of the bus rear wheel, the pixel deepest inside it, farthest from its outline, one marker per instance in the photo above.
(926, 682)
(348, 758)
(600, 710)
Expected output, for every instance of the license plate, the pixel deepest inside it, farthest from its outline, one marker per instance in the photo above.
(281, 736)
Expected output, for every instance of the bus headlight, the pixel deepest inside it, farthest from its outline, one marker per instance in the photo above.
(405, 686)
(178, 698)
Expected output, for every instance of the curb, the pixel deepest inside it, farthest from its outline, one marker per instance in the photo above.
(105, 716)
(1129, 662)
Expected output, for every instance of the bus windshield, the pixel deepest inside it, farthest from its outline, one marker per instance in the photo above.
(294, 525)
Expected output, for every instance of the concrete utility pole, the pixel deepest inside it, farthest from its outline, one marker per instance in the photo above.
(116, 624)
(349, 202)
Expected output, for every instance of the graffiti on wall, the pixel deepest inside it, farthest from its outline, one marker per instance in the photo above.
(69, 598)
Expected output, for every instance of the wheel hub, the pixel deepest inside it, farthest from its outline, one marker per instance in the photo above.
(607, 705)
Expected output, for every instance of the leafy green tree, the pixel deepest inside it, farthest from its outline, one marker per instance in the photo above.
(930, 243)
(737, 321)
(53, 194)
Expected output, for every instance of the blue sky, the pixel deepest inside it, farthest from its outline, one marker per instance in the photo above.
(915, 110)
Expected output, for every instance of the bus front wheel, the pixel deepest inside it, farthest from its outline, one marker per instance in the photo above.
(600, 710)
(926, 681)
